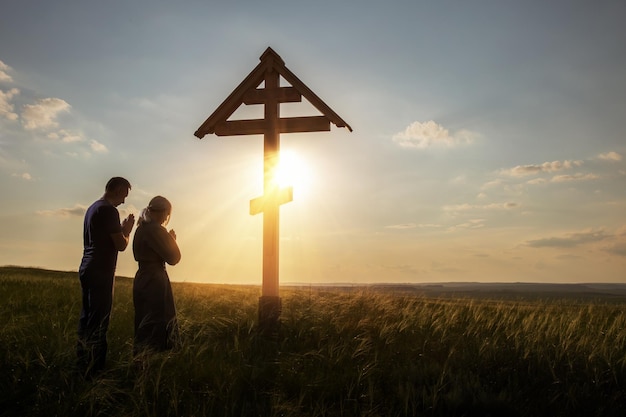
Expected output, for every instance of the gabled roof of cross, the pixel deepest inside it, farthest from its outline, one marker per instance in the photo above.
(269, 60)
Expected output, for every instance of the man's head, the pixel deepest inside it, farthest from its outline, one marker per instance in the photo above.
(116, 190)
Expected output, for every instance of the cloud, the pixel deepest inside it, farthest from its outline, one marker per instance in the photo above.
(428, 226)
(575, 177)
(424, 135)
(492, 206)
(500, 206)
(402, 226)
(554, 166)
(6, 108)
(43, 115)
(4, 76)
(537, 181)
(408, 226)
(613, 243)
(98, 147)
(570, 240)
(77, 211)
(491, 184)
(25, 176)
(470, 224)
(610, 156)
(66, 136)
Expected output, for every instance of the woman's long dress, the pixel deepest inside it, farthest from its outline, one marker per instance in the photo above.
(155, 314)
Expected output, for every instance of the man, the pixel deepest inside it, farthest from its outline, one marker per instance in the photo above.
(103, 238)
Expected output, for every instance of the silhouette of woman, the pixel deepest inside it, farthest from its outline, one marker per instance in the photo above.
(156, 327)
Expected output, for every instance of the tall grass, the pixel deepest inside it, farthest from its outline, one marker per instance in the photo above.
(358, 353)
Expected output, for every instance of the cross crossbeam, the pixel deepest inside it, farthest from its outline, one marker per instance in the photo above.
(283, 195)
(284, 125)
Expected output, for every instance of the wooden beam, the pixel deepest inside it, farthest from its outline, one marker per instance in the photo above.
(234, 100)
(281, 95)
(317, 102)
(285, 125)
(257, 205)
(240, 127)
(304, 124)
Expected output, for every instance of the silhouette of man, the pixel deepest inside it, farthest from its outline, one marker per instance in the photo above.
(103, 238)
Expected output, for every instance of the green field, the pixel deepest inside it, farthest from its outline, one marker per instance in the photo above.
(363, 352)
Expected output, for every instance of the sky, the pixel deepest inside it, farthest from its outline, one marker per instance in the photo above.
(488, 137)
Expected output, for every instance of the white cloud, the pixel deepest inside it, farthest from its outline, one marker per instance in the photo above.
(66, 136)
(405, 226)
(575, 177)
(402, 226)
(491, 184)
(4, 76)
(98, 147)
(43, 115)
(423, 135)
(554, 166)
(470, 224)
(610, 156)
(492, 206)
(500, 206)
(428, 226)
(6, 108)
(459, 207)
(77, 211)
(25, 176)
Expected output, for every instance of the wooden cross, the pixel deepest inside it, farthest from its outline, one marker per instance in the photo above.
(269, 71)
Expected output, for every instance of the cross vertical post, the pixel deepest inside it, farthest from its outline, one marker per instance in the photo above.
(269, 303)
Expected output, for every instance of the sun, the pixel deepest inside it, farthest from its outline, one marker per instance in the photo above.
(293, 171)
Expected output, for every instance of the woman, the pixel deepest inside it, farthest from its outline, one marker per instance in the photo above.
(155, 314)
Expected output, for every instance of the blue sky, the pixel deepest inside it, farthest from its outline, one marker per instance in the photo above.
(488, 140)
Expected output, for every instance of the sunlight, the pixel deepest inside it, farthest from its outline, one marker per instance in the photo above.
(293, 171)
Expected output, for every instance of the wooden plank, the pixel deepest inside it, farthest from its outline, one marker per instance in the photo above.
(257, 205)
(234, 100)
(304, 124)
(241, 127)
(317, 102)
(281, 95)
(285, 125)
(284, 195)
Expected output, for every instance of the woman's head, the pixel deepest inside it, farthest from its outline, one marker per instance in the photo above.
(159, 210)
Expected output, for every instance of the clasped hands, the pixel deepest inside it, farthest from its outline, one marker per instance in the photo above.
(127, 224)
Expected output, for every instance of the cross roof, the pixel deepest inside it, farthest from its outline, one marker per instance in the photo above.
(270, 60)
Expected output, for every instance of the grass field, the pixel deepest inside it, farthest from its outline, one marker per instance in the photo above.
(338, 353)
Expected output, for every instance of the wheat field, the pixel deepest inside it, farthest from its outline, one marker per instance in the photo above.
(361, 352)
